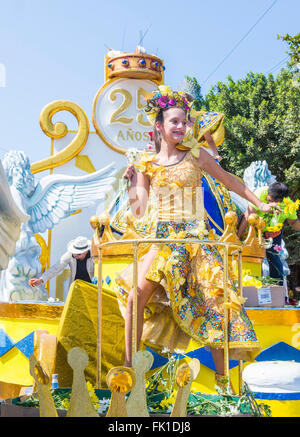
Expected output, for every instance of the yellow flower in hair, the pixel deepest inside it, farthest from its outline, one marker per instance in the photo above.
(165, 90)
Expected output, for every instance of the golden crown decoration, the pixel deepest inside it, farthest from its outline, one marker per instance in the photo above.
(137, 65)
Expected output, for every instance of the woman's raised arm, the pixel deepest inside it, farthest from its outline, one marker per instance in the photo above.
(232, 183)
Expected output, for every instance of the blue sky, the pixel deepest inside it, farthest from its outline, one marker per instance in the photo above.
(55, 49)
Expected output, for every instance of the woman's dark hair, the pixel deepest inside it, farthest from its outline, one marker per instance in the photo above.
(160, 119)
(278, 191)
(156, 134)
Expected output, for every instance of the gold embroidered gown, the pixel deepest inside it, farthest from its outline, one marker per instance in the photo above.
(190, 296)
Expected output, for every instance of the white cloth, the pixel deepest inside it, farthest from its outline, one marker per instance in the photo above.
(67, 260)
(273, 376)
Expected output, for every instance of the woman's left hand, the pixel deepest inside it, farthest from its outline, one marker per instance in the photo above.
(267, 207)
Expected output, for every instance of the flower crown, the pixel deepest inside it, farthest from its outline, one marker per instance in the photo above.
(164, 97)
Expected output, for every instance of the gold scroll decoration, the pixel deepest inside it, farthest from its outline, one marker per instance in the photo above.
(59, 130)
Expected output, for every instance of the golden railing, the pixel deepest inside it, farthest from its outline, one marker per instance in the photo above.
(235, 249)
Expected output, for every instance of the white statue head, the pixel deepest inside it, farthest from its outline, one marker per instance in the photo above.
(17, 168)
(258, 175)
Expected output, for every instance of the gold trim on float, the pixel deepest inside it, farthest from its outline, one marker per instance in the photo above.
(59, 130)
(12, 310)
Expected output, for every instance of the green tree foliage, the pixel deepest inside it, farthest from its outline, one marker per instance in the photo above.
(294, 47)
(262, 122)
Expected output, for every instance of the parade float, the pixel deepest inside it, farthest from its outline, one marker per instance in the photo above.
(57, 330)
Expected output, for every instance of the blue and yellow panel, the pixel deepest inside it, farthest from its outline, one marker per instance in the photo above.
(18, 322)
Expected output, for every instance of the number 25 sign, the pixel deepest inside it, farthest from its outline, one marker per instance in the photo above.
(118, 114)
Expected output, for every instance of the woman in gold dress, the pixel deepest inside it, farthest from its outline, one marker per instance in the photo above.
(180, 287)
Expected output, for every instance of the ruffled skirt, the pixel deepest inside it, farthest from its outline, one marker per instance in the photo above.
(189, 301)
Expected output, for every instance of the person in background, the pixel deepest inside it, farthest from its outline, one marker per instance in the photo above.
(275, 220)
(79, 260)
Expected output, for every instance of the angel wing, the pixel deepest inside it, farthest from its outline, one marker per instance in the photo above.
(11, 218)
(58, 196)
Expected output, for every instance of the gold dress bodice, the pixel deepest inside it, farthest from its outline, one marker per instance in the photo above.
(178, 190)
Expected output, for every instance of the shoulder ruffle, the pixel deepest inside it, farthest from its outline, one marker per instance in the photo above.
(211, 122)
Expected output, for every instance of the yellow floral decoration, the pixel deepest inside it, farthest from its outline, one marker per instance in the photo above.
(170, 263)
(290, 207)
(250, 281)
(189, 142)
(275, 228)
(165, 90)
(178, 279)
(176, 235)
(92, 393)
(166, 402)
(144, 162)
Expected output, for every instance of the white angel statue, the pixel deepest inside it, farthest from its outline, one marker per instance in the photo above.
(52, 199)
(11, 218)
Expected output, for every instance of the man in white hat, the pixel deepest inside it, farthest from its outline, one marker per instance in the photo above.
(77, 257)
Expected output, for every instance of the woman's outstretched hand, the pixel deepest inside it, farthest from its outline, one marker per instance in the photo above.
(267, 207)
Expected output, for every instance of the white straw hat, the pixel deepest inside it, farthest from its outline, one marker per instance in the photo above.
(79, 245)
